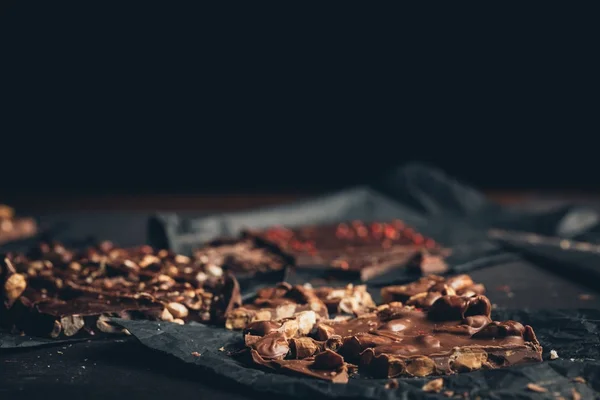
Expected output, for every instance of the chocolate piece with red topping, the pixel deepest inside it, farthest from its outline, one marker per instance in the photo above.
(363, 249)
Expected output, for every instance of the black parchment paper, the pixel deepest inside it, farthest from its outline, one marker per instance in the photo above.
(574, 334)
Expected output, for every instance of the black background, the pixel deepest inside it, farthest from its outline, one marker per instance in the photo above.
(153, 97)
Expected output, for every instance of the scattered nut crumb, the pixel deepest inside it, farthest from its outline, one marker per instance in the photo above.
(222, 349)
(435, 385)
(553, 355)
(195, 354)
(575, 394)
(448, 393)
(494, 306)
(392, 384)
(59, 352)
(536, 388)
(585, 297)
(579, 379)
(503, 288)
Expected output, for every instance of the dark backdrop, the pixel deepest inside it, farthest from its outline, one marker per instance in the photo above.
(164, 98)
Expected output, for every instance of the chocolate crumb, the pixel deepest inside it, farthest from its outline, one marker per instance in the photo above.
(579, 379)
(195, 354)
(536, 388)
(575, 394)
(434, 386)
(553, 355)
(392, 384)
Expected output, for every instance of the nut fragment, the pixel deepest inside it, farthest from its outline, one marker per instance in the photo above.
(56, 329)
(420, 366)
(104, 325)
(579, 379)
(178, 310)
(575, 395)
(166, 315)
(434, 386)
(71, 324)
(14, 286)
(536, 388)
(468, 359)
(553, 355)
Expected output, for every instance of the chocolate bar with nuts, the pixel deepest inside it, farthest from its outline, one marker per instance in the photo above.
(424, 292)
(454, 334)
(51, 283)
(15, 228)
(358, 249)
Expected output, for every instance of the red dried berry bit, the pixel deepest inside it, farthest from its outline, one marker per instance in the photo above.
(362, 232)
(418, 239)
(390, 232)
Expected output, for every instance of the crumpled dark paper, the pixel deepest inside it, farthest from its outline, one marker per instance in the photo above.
(11, 341)
(574, 334)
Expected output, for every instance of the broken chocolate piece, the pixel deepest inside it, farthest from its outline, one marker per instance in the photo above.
(455, 334)
(52, 290)
(357, 249)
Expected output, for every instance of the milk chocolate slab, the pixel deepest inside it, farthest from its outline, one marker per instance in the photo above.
(359, 249)
(51, 283)
(425, 291)
(455, 334)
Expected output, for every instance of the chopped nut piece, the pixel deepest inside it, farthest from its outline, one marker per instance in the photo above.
(585, 297)
(221, 348)
(195, 354)
(434, 386)
(177, 310)
(166, 315)
(448, 393)
(536, 388)
(56, 330)
(553, 355)
(71, 324)
(14, 286)
(579, 379)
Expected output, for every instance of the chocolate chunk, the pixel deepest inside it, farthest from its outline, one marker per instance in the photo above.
(357, 249)
(52, 290)
(454, 335)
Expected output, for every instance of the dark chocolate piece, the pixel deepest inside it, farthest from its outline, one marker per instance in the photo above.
(51, 282)
(365, 250)
(247, 255)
